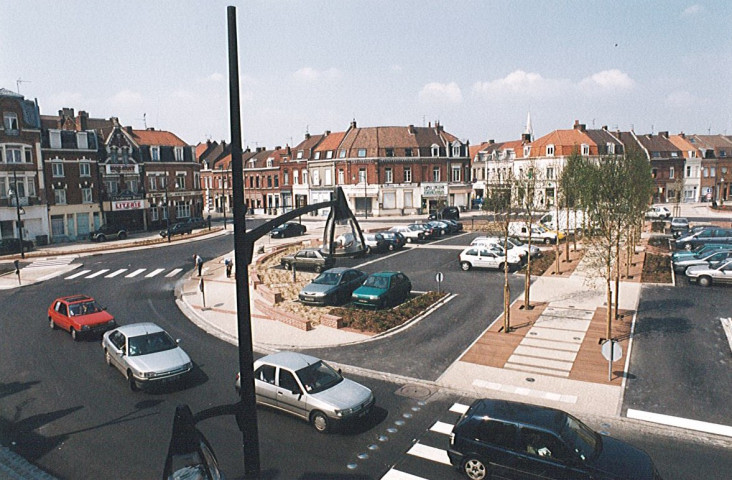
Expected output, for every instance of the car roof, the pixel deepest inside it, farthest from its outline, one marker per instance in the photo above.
(522, 413)
(76, 298)
(136, 329)
(383, 274)
(290, 360)
(340, 270)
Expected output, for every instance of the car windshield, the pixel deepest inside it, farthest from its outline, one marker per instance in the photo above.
(150, 343)
(318, 377)
(327, 278)
(84, 308)
(580, 438)
(377, 282)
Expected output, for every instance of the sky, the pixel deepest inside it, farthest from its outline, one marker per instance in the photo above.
(477, 67)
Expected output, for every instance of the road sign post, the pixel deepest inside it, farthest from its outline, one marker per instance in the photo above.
(203, 293)
(612, 351)
(17, 269)
(439, 277)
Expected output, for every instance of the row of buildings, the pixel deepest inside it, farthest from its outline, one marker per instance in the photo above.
(62, 176)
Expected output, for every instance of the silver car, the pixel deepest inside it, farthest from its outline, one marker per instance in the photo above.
(309, 388)
(706, 275)
(145, 354)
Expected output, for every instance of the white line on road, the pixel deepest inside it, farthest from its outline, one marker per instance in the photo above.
(100, 272)
(430, 453)
(77, 274)
(687, 423)
(727, 327)
(397, 475)
(174, 273)
(442, 427)
(154, 272)
(459, 408)
(135, 273)
(114, 274)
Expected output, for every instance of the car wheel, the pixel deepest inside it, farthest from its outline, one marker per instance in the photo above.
(101, 238)
(131, 381)
(501, 266)
(122, 235)
(74, 334)
(391, 247)
(465, 266)
(409, 240)
(51, 324)
(547, 241)
(319, 421)
(287, 266)
(318, 268)
(475, 469)
(705, 281)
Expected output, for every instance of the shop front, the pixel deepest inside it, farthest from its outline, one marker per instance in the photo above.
(129, 214)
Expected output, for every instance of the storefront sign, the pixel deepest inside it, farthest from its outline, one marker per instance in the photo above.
(435, 190)
(128, 205)
(121, 168)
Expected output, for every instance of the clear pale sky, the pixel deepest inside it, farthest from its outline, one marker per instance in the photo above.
(477, 67)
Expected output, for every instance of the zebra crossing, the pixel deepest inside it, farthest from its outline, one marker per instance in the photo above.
(52, 261)
(124, 273)
(427, 458)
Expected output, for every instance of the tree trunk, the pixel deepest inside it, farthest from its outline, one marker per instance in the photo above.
(608, 282)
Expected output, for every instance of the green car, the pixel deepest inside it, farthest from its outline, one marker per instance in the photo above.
(701, 250)
(382, 289)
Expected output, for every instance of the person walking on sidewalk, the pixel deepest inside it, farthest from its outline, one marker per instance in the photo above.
(199, 263)
(228, 264)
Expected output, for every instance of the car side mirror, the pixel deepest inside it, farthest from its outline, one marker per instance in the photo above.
(177, 340)
(123, 350)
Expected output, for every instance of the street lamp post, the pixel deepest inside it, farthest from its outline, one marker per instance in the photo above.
(223, 195)
(167, 208)
(17, 209)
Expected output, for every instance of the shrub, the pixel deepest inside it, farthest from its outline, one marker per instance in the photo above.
(377, 321)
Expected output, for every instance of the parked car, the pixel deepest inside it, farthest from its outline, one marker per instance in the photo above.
(427, 231)
(108, 232)
(411, 233)
(457, 226)
(701, 249)
(534, 250)
(516, 254)
(439, 227)
(447, 212)
(706, 275)
(12, 245)
(482, 256)
(79, 315)
(382, 289)
(505, 439)
(658, 213)
(288, 229)
(145, 354)
(180, 228)
(198, 222)
(708, 235)
(308, 258)
(539, 234)
(332, 287)
(679, 225)
(702, 259)
(309, 388)
(375, 243)
(396, 239)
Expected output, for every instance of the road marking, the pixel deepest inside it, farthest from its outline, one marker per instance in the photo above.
(53, 261)
(526, 392)
(397, 475)
(687, 423)
(135, 273)
(174, 273)
(100, 272)
(727, 327)
(442, 427)
(459, 408)
(78, 274)
(114, 274)
(429, 453)
(154, 272)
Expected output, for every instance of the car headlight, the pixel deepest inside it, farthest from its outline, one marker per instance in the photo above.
(188, 366)
(316, 294)
(85, 327)
(345, 412)
(149, 374)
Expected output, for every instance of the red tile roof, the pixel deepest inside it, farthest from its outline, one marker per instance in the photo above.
(158, 138)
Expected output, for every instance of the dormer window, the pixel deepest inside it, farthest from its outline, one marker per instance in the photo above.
(611, 148)
(270, 162)
(435, 151)
(178, 151)
(299, 154)
(155, 154)
(10, 121)
(527, 150)
(329, 154)
(82, 140)
(456, 150)
(361, 152)
(585, 149)
(389, 152)
(342, 154)
(54, 138)
(550, 150)
(407, 152)
(317, 156)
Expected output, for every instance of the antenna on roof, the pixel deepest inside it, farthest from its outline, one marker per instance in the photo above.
(144, 120)
(18, 82)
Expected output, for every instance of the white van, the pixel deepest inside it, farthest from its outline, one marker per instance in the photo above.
(576, 221)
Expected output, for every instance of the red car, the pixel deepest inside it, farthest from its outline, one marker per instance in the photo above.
(79, 315)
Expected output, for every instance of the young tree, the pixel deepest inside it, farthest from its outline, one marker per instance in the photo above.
(526, 186)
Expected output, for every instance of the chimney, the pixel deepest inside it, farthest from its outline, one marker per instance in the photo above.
(604, 127)
(663, 134)
(491, 141)
(411, 130)
(525, 138)
(307, 135)
(278, 147)
(579, 126)
(260, 149)
(129, 129)
(82, 122)
(353, 124)
(327, 132)
(208, 142)
(682, 135)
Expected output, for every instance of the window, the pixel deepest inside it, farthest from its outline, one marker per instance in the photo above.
(388, 175)
(541, 444)
(269, 181)
(407, 174)
(288, 382)
(155, 154)
(705, 172)
(456, 150)
(550, 150)
(154, 215)
(10, 121)
(316, 177)
(31, 188)
(407, 152)
(285, 177)
(611, 148)
(527, 150)
(361, 152)
(455, 173)
(688, 171)
(163, 182)
(178, 151)
(86, 195)
(435, 174)
(654, 173)
(585, 149)
(295, 177)
(59, 196)
(152, 183)
(132, 185)
(713, 172)
(342, 154)
(299, 154)
(112, 186)
(54, 138)
(305, 177)
(329, 154)
(182, 209)
(317, 155)
(328, 177)
(550, 173)
(270, 162)
(84, 169)
(498, 433)
(57, 168)
(389, 152)
(435, 151)
(671, 172)
(82, 140)
(362, 175)
(13, 155)
(276, 181)
(341, 177)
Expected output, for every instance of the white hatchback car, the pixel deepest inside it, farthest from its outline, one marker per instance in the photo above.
(309, 388)
(482, 256)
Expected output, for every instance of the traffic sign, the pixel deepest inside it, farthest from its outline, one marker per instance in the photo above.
(612, 351)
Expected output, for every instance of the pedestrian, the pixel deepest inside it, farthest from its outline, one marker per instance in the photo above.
(228, 264)
(199, 263)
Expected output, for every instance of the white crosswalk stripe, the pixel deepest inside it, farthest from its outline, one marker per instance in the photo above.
(115, 273)
(154, 272)
(442, 427)
(100, 272)
(438, 455)
(78, 274)
(52, 261)
(394, 474)
(135, 273)
(174, 272)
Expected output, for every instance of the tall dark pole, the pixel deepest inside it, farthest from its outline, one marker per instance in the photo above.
(167, 208)
(365, 197)
(247, 412)
(17, 209)
(223, 195)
